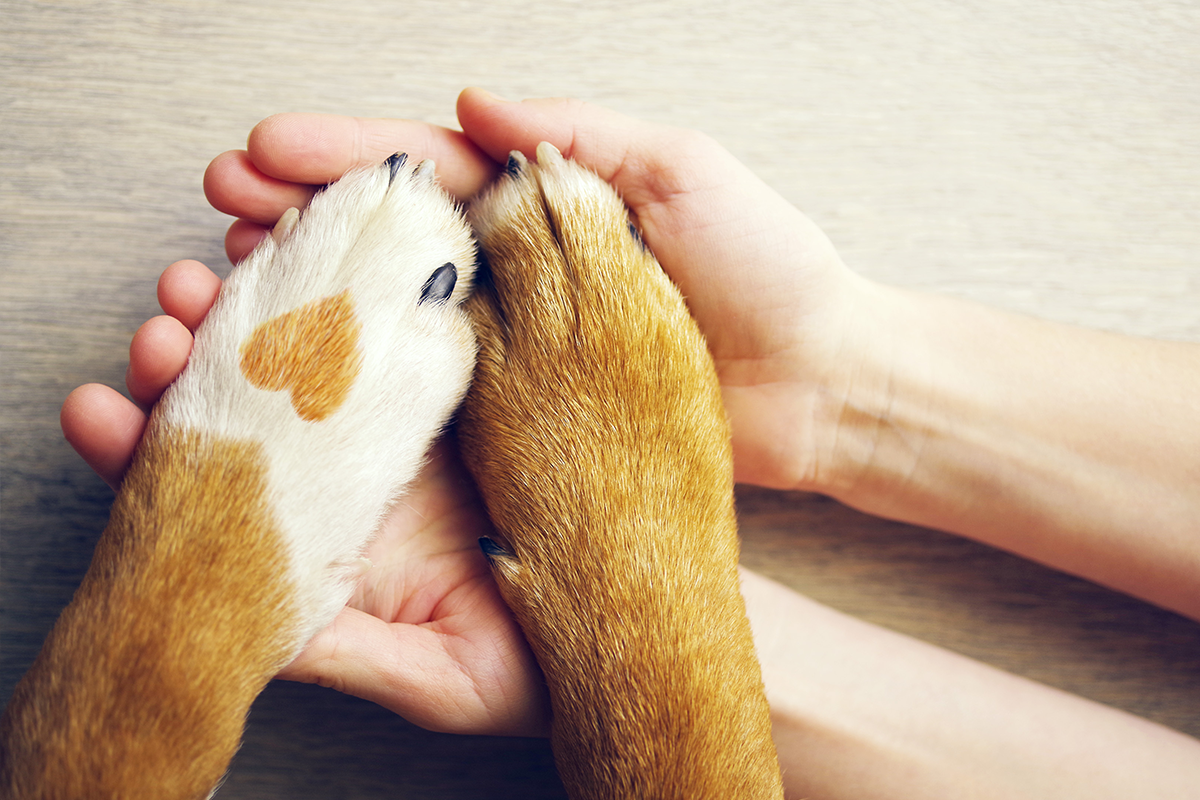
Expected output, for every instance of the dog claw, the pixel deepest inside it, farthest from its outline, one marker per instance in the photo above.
(548, 154)
(440, 284)
(492, 550)
(354, 568)
(425, 170)
(515, 164)
(637, 237)
(395, 162)
(285, 225)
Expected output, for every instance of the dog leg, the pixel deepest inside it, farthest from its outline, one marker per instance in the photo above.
(596, 432)
(334, 355)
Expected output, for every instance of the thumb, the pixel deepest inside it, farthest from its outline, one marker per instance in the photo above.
(403, 668)
(349, 655)
(412, 670)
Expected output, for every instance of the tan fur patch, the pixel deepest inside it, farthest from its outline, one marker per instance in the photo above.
(311, 352)
(142, 687)
(596, 432)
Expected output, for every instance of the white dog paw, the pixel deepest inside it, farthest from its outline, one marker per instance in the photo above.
(337, 350)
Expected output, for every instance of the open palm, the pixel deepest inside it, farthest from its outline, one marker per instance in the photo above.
(426, 633)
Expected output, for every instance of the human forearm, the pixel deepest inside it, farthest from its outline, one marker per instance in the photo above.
(861, 712)
(1075, 448)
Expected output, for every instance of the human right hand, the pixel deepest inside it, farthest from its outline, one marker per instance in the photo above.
(766, 286)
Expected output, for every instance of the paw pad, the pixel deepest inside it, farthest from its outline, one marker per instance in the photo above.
(311, 352)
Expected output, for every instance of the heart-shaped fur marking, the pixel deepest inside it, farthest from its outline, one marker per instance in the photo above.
(311, 351)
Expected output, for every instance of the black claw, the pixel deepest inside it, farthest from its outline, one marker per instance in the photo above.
(637, 236)
(513, 167)
(492, 550)
(440, 284)
(394, 163)
(483, 269)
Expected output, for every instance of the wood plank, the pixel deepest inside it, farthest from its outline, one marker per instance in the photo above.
(1023, 154)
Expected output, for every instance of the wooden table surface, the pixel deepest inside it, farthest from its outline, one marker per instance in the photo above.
(1043, 157)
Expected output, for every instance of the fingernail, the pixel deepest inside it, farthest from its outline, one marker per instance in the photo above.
(495, 98)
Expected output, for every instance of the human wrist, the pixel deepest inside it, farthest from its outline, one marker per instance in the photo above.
(873, 420)
(834, 436)
(910, 415)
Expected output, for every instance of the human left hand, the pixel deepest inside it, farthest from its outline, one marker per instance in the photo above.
(426, 633)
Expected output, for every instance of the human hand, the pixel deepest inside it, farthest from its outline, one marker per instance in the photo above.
(426, 633)
(766, 286)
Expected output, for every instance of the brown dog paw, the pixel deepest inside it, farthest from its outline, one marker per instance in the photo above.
(595, 429)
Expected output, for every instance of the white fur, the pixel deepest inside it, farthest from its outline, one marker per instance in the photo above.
(332, 480)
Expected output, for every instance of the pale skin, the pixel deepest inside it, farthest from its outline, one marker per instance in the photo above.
(910, 406)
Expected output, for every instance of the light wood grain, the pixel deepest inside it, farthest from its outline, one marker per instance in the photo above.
(1043, 157)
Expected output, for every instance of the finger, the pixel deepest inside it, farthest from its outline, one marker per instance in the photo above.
(701, 211)
(403, 668)
(157, 355)
(233, 185)
(413, 671)
(104, 428)
(319, 148)
(646, 162)
(187, 290)
(242, 237)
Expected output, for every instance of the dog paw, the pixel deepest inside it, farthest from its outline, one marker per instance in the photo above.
(596, 432)
(333, 356)
(595, 397)
(338, 350)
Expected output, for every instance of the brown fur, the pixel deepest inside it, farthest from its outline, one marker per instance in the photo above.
(183, 612)
(596, 432)
(238, 531)
(311, 352)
